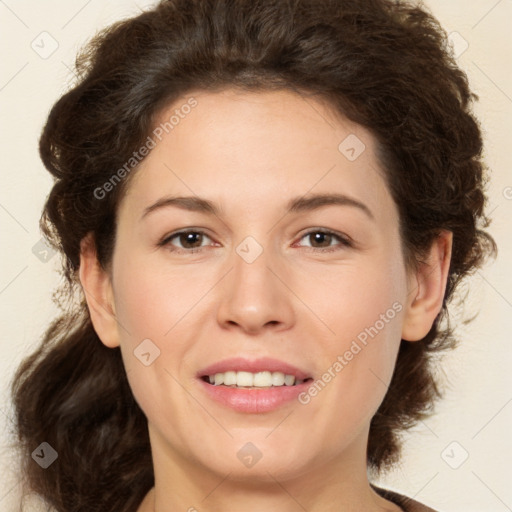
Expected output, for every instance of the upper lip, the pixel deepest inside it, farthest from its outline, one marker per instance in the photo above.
(242, 364)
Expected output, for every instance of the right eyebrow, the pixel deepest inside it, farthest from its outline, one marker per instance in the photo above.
(190, 203)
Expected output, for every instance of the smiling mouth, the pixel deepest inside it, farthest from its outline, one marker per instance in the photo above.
(257, 380)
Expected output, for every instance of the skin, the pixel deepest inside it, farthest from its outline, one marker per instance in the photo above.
(250, 153)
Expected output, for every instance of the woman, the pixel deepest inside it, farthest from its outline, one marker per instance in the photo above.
(265, 208)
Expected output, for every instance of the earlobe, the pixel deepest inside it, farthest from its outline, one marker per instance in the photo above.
(97, 287)
(427, 289)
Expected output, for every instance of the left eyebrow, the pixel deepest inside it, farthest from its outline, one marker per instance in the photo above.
(295, 205)
(301, 204)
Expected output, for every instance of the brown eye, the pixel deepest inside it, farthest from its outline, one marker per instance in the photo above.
(189, 241)
(191, 238)
(321, 240)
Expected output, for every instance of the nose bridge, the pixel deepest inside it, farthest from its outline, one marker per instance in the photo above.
(252, 279)
(253, 295)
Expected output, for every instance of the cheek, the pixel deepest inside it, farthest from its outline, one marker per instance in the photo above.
(158, 305)
(147, 308)
(378, 306)
(366, 313)
(151, 301)
(366, 296)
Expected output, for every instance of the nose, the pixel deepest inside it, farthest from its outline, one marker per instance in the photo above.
(255, 296)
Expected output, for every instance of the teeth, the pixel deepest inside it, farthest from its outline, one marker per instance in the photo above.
(278, 379)
(289, 380)
(263, 379)
(229, 378)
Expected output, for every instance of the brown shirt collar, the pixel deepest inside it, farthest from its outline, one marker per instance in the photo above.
(406, 503)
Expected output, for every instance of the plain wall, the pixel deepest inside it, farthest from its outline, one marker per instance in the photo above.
(473, 419)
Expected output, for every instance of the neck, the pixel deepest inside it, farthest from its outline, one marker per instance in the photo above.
(283, 499)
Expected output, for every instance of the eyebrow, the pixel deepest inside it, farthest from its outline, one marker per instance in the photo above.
(295, 205)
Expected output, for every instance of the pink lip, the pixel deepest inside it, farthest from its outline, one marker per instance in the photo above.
(253, 400)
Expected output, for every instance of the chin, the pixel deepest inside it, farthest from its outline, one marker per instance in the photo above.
(255, 455)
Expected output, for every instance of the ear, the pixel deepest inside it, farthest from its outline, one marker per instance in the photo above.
(98, 291)
(427, 286)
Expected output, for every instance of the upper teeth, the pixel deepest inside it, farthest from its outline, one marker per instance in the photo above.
(248, 379)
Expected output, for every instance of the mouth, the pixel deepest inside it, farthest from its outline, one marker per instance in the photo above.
(253, 386)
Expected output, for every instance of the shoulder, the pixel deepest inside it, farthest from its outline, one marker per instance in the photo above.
(408, 504)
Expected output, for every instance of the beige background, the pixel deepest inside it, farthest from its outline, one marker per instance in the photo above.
(476, 413)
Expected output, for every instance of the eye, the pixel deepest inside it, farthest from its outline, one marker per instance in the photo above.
(325, 238)
(190, 241)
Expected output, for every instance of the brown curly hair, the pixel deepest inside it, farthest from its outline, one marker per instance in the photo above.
(383, 64)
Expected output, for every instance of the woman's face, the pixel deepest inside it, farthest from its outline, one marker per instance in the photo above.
(256, 287)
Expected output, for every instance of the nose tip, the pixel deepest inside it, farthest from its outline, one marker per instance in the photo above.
(253, 298)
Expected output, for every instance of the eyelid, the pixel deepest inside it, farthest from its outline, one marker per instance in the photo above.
(166, 240)
(345, 240)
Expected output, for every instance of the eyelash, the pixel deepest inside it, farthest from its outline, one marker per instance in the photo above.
(344, 241)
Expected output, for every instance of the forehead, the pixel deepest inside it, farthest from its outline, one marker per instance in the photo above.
(252, 149)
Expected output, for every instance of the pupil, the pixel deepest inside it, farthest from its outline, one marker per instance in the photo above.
(189, 237)
(318, 236)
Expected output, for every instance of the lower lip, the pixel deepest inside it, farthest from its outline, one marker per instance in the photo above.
(254, 400)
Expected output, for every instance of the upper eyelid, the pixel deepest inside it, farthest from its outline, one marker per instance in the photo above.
(344, 239)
